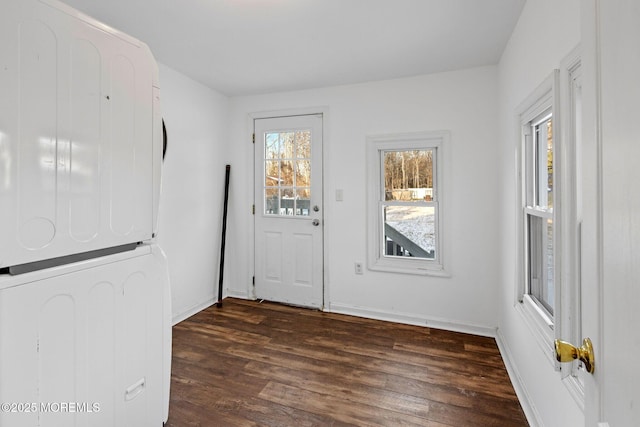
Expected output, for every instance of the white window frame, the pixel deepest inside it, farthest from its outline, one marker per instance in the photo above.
(543, 100)
(562, 91)
(376, 146)
(570, 326)
(535, 182)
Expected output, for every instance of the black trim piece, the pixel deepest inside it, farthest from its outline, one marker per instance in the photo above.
(67, 259)
(164, 140)
(224, 232)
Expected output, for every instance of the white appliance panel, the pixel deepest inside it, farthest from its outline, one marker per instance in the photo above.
(80, 151)
(90, 333)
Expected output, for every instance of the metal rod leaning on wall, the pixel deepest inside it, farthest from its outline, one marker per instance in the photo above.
(224, 233)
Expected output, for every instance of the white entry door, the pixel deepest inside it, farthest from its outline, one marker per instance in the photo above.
(611, 227)
(288, 210)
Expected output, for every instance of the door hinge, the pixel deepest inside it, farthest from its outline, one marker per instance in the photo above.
(253, 281)
(253, 209)
(254, 138)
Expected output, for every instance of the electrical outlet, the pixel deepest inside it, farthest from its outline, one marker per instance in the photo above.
(358, 267)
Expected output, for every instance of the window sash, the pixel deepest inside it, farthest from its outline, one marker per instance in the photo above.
(434, 163)
(420, 245)
(540, 254)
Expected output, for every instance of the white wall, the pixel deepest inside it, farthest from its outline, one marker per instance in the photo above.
(208, 130)
(464, 102)
(192, 189)
(547, 31)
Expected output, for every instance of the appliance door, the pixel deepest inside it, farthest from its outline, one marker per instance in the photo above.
(87, 343)
(80, 135)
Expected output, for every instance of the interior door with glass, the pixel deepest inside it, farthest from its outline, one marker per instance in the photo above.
(288, 210)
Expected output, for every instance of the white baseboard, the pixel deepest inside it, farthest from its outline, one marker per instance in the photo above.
(177, 318)
(523, 396)
(233, 293)
(412, 319)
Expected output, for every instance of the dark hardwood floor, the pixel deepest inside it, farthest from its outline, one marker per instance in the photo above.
(264, 364)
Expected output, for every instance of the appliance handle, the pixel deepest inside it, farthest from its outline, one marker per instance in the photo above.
(134, 389)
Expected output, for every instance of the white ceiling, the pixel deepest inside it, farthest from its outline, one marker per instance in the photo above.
(240, 47)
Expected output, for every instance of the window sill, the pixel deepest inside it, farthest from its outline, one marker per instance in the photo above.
(409, 266)
(540, 325)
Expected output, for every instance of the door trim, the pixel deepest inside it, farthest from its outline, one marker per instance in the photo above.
(292, 112)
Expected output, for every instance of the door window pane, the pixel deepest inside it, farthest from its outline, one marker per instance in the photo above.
(272, 173)
(303, 144)
(271, 201)
(303, 173)
(287, 145)
(287, 173)
(272, 146)
(303, 201)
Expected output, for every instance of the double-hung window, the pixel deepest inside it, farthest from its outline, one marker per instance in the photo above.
(405, 202)
(538, 210)
(549, 212)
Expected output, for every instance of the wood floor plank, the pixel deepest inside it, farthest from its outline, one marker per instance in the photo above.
(386, 397)
(408, 407)
(229, 334)
(355, 360)
(264, 364)
(481, 358)
(217, 406)
(340, 388)
(361, 375)
(342, 410)
(448, 395)
(396, 353)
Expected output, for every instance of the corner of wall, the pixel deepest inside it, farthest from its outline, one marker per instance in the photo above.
(516, 380)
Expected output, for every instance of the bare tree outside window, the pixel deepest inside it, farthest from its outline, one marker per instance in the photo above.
(287, 167)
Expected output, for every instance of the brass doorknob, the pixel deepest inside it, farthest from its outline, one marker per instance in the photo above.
(566, 352)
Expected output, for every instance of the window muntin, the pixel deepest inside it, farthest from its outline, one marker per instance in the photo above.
(287, 173)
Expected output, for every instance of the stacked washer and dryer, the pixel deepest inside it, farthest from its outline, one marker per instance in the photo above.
(85, 318)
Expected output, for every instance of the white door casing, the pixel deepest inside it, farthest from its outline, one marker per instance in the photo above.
(289, 210)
